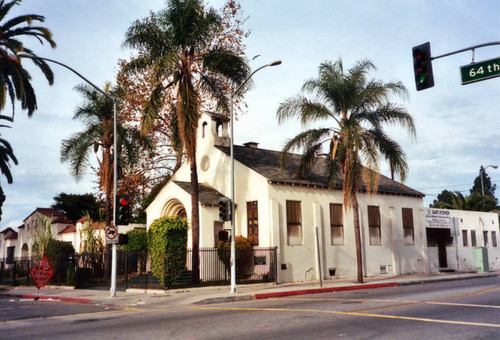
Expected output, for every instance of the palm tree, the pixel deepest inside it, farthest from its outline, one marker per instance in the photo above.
(358, 108)
(97, 114)
(176, 45)
(15, 80)
(474, 202)
(6, 155)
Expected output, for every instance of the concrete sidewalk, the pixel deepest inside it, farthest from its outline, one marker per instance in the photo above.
(205, 295)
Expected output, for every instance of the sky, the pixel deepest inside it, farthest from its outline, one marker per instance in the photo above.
(457, 128)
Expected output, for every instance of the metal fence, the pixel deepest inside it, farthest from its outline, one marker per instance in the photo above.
(134, 269)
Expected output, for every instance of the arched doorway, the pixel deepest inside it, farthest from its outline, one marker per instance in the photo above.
(174, 208)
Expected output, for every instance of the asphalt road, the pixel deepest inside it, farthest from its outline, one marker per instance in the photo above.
(447, 310)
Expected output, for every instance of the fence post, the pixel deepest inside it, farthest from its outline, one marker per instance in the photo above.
(2, 266)
(14, 273)
(125, 253)
(28, 273)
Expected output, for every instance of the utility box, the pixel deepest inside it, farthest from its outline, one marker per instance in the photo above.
(481, 260)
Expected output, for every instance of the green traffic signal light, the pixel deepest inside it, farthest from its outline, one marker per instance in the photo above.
(422, 66)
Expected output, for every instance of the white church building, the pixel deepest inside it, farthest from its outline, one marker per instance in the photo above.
(303, 218)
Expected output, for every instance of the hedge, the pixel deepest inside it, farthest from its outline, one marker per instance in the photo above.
(167, 245)
(244, 256)
(137, 240)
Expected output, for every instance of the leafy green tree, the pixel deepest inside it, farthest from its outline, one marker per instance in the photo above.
(14, 79)
(176, 45)
(489, 188)
(445, 197)
(75, 206)
(96, 113)
(357, 108)
(474, 202)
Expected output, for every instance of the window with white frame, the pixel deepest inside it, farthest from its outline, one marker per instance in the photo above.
(494, 238)
(485, 238)
(294, 223)
(374, 225)
(336, 224)
(408, 232)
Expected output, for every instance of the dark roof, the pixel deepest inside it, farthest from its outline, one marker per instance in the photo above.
(266, 163)
(59, 217)
(218, 116)
(207, 194)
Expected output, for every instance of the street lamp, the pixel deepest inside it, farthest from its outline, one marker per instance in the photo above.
(233, 242)
(482, 172)
(114, 100)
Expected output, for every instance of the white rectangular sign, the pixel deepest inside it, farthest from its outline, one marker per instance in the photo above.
(438, 218)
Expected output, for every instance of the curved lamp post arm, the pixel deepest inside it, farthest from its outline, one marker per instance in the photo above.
(27, 55)
(115, 156)
(482, 173)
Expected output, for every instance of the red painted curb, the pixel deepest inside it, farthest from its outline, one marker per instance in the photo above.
(56, 298)
(322, 290)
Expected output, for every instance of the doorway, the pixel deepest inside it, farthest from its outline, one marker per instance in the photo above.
(440, 238)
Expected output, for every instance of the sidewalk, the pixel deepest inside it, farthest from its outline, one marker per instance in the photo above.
(206, 295)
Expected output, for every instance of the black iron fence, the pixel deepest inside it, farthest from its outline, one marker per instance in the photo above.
(134, 269)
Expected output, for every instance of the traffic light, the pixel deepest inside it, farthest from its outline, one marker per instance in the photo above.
(224, 209)
(122, 239)
(122, 213)
(422, 66)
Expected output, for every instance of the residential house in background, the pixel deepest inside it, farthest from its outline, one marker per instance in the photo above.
(8, 243)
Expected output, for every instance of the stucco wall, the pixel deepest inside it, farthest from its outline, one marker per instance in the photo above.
(301, 260)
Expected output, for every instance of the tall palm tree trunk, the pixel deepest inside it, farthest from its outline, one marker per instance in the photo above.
(195, 224)
(357, 237)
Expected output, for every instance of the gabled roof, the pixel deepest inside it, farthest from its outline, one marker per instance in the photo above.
(59, 217)
(207, 194)
(267, 164)
(7, 230)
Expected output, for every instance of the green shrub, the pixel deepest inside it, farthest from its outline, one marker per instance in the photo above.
(137, 240)
(244, 256)
(167, 245)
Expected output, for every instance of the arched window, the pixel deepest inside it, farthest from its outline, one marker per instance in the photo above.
(219, 129)
(204, 129)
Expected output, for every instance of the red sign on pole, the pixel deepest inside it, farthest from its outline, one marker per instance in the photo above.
(42, 272)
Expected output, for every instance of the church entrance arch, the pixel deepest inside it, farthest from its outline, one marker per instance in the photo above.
(174, 208)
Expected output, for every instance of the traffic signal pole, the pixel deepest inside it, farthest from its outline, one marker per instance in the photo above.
(112, 288)
(422, 65)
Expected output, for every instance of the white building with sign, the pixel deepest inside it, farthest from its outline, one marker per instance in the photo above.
(455, 238)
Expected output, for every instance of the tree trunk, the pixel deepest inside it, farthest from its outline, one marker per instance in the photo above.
(195, 224)
(357, 237)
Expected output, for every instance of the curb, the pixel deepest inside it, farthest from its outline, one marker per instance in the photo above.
(56, 298)
(321, 290)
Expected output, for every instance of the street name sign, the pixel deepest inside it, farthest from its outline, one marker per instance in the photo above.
(480, 71)
(111, 235)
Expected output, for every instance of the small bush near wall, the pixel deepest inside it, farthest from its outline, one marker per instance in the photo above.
(137, 240)
(167, 247)
(244, 256)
